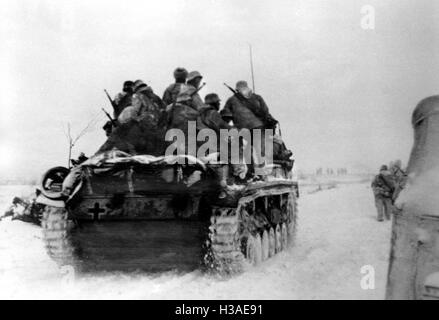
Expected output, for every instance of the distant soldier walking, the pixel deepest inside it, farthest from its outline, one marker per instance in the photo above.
(383, 188)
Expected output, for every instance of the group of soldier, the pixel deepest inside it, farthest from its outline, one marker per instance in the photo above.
(245, 108)
(386, 187)
(181, 103)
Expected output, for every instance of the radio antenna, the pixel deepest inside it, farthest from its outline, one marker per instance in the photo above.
(251, 66)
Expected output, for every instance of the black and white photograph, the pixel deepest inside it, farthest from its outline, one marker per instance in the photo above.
(214, 152)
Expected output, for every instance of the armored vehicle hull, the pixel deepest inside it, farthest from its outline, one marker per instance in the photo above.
(414, 255)
(156, 214)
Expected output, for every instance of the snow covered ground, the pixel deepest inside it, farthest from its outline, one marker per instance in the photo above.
(337, 235)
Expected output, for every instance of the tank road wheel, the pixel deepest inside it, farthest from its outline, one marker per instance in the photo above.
(284, 236)
(278, 238)
(250, 254)
(265, 245)
(55, 235)
(254, 249)
(291, 233)
(258, 247)
(271, 243)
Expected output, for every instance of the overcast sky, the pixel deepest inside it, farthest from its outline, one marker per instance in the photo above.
(343, 95)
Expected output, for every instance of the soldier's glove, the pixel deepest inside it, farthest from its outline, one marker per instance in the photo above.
(270, 123)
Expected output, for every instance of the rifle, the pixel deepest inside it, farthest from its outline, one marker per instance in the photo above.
(111, 100)
(113, 122)
(230, 88)
(199, 88)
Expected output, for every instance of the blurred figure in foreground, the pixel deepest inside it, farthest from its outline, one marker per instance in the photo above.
(399, 178)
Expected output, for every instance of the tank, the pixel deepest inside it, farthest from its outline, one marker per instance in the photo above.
(414, 257)
(155, 213)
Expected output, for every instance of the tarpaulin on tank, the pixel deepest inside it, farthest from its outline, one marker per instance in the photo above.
(115, 156)
(116, 162)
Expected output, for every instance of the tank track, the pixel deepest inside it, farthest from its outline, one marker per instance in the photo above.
(238, 237)
(55, 224)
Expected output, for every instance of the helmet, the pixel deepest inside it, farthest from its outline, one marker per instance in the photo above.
(243, 89)
(128, 83)
(211, 98)
(193, 74)
(142, 88)
(241, 85)
(138, 84)
(383, 167)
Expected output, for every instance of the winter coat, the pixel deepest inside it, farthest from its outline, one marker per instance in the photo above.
(181, 113)
(138, 135)
(212, 119)
(171, 93)
(156, 100)
(383, 185)
(248, 113)
(196, 99)
(121, 101)
(145, 107)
